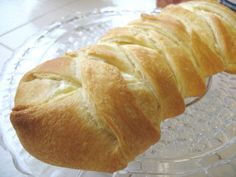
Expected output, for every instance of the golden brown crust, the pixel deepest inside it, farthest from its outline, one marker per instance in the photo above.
(202, 38)
(226, 40)
(143, 94)
(100, 107)
(105, 86)
(155, 68)
(188, 77)
(166, 44)
(220, 19)
(60, 137)
(41, 83)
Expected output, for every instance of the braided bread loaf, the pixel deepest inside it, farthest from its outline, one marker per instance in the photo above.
(101, 106)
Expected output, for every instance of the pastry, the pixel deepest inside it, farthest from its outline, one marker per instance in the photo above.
(99, 107)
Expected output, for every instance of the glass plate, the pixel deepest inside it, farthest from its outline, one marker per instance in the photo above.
(199, 143)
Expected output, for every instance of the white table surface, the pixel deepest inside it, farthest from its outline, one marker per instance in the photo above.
(20, 19)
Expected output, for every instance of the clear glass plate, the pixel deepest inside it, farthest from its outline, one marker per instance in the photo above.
(199, 143)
